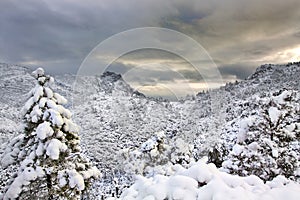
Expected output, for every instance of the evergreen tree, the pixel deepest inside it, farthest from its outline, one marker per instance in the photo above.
(47, 154)
(156, 155)
(267, 143)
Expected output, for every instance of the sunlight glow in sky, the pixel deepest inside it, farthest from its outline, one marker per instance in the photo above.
(295, 54)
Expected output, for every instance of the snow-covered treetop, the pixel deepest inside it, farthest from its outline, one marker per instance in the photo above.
(38, 72)
(39, 75)
(44, 103)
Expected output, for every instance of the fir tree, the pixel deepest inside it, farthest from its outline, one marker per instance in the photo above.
(268, 141)
(47, 154)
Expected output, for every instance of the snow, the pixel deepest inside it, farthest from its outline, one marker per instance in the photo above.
(274, 114)
(280, 99)
(57, 112)
(8, 159)
(29, 103)
(12, 152)
(29, 174)
(38, 72)
(269, 142)
(69, 126)
(62, 181)
(36, 113)
(26, 162)
(92, 172)
(60, 99)
(243, 128)
(14, 190)
(23, 178)
(51, 80)
(42, 79)
(200, 174)
(40, 149)
(39, 171)
(63, 111)
(42, 102)
(76, 180)
(99, 125)
(49, 92)
(44, 130)
(254, 146)
(149, 145)
(291, 127)
(59, 134)
(216, 185)
(55, 117)
(38, 93)
(51, 104)
(275, 153)
(54, 148)
(44, 141)
(237, 149)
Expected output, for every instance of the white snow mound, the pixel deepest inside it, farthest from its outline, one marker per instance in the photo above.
(204, 182)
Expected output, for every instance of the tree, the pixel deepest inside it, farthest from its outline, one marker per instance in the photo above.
(156, 155)
(267, 143)
(47, 154)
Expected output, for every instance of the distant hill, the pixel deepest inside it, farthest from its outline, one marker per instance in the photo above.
(113, 116)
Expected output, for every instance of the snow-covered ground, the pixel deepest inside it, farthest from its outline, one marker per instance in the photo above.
(114, 118)
(204, 181)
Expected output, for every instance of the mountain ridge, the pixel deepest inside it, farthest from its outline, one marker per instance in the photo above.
(112, 118)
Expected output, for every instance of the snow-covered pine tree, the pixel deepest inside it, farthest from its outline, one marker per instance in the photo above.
(48, 154)
(268, 139)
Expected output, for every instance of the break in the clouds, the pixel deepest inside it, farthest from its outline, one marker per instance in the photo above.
(239, 35)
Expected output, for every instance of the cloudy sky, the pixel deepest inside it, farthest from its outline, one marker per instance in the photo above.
(238, 35)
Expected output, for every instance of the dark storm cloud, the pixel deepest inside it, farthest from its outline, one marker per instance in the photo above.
(239, 35)
(191, 75)
(241, 72)
(35, 34)
(234, 31)
(59, 34)
(119, 67)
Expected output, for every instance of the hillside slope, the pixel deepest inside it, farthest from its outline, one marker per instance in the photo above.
(113, 116)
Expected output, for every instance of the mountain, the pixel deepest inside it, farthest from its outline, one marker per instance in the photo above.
(15, 81)
(113, 116)
(112, 121)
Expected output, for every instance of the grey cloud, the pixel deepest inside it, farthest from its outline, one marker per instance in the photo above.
(157, 75)
(119, 67)
(192, 75)
(240, 71)
(297, 33)
(47, 32)
(59, 34)
(35, 34)
(235, 30)
(164, 58)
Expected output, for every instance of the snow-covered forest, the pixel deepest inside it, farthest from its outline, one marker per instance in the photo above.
(120, 144)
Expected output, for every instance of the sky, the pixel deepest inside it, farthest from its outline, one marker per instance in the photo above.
(238, 36)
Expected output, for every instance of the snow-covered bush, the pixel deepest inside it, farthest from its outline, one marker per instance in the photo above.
(48, 154)
(204, 181)
(156, 155)
(268, 139)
